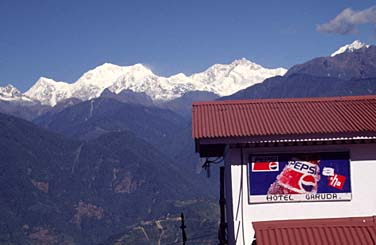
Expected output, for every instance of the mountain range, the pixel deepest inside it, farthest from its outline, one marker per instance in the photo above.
(221, 79)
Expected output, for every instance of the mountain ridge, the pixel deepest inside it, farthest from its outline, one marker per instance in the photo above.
(221, 79)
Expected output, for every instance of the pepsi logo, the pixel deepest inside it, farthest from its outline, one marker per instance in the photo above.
(308, 183)
(273, 166)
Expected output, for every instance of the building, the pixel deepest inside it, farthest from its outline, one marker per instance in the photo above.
(298, 163)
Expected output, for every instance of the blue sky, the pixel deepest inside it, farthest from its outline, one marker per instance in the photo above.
(63, 39)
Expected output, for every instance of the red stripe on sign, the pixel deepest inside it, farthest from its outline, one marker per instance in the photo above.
(261, 166)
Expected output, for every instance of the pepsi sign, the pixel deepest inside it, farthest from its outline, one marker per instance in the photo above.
(299, 177)
(265, 164)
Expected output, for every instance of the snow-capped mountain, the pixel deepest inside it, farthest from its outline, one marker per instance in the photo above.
(10, 93)
(49, 92)
(92, 83)
(222, 79)
(228, 79)
(350, 48)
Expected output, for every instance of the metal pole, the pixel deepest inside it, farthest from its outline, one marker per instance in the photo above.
(182, 227)
(222, 203)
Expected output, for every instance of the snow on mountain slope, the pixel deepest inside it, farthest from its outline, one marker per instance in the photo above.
(49, 92)
(92, 83)
(10, 93)
(158, 88)
(350, 48)
(222, 79)
(228, 79)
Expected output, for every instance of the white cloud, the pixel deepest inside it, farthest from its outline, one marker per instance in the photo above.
(348, 20)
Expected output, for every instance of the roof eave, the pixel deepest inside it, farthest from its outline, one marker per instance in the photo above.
(286, 138)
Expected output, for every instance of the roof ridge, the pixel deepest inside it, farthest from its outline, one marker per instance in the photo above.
(287, 100)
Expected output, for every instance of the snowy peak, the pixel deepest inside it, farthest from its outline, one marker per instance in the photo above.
(92, 83)
(100, 75)
(140, 68)
(104, 75)
(245, 62)
(11, 93)
(48, 91)
(47, 82)
(350, 48)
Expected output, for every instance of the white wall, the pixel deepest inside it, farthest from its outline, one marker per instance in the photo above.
(363, 183)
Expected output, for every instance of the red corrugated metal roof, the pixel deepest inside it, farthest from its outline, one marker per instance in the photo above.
(271, 117)
(341, 231)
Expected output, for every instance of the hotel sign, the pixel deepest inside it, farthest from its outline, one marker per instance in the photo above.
(299, 177)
